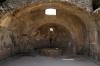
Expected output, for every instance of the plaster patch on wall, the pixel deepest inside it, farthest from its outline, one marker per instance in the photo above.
(5, 41)
(5, 20)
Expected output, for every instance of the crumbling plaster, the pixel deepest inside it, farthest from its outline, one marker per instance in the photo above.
(27, 19)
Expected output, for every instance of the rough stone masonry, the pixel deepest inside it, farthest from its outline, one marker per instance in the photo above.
(9, 5)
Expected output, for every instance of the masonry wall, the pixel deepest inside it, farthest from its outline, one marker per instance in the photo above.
(96, 14)
(23, 21)
(9, 5)
(9, 44)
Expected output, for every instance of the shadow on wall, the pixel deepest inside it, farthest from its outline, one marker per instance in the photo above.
(44, 37)
(26, 19)
(8, 44)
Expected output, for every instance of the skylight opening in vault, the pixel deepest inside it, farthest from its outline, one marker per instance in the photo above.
(50, 11)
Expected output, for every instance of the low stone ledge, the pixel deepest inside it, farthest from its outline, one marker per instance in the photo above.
(53, 52)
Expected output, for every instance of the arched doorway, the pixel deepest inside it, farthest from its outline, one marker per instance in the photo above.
(31, 20)
(52, 35)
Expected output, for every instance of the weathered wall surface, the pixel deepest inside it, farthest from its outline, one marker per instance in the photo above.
(12, 4)
(25, 26)
(9, 44)
(86, 4)
(96, 14)
(5, 45)
(44, 38)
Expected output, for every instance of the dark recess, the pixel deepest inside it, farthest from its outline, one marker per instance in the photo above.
(1, 1)
(96, 4)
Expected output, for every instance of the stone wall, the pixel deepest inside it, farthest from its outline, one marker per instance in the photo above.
(44, 38)
(9, 5)
(96, 14)
(25, 20)
(8, 44)
(87, 4)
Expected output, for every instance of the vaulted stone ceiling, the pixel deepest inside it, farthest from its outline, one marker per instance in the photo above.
(30, 23)
(71, 17)
(96, 3)
(8, 4)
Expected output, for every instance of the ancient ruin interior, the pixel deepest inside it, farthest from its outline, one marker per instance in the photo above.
(70, 28)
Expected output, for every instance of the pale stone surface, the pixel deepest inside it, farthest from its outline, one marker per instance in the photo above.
(49, 61)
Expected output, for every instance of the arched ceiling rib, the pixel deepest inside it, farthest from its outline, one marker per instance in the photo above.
(32, 11)
(31, 17)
